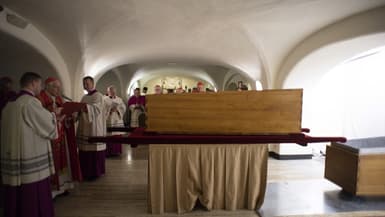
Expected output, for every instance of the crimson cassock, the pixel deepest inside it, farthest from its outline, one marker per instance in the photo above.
(66, 172)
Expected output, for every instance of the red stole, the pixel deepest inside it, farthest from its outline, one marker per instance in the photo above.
(47, 102)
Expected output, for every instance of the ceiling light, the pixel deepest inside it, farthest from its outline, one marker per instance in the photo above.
(16, 21)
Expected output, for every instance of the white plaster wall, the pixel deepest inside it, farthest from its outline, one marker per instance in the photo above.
(32, 36)
(322, 51)
(291, 149)
(315, 55)
(21, 58)
(107, 80)
(234, 77)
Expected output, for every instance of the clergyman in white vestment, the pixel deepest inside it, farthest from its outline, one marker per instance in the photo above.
(27, 163)
(115, 109)
(92, 123)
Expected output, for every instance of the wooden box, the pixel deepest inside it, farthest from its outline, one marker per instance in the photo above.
(358, 171)
(243, 113)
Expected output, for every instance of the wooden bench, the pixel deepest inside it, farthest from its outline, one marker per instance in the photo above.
(358, 166)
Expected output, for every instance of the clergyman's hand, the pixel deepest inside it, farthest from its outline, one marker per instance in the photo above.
(58, 111)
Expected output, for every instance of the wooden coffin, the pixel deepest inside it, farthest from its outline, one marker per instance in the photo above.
(242, 113)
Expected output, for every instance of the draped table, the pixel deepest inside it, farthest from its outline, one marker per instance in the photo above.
(221, 171)
(226, 177)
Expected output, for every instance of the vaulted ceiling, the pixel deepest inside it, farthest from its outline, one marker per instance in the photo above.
(255, 37)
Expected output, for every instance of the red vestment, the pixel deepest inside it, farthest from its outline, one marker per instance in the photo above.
(65, 141)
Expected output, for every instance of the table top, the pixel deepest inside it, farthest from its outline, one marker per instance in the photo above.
(373, 145)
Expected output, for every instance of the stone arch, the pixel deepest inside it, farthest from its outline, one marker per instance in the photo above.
(345, 32)
(34, 38)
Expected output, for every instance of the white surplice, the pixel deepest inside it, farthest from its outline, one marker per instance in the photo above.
(92, 122)
(114, 118)
(27, 130)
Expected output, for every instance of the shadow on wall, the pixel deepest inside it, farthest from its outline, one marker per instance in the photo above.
(231, 86)
(18, 57)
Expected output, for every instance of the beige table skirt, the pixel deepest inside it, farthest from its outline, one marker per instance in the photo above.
(226, 177)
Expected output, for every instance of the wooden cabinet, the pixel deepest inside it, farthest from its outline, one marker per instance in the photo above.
(358, 174)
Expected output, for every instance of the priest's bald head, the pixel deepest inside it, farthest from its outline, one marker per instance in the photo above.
(53, 86)
(31, 81)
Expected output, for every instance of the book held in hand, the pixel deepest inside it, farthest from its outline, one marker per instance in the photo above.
(72, 107)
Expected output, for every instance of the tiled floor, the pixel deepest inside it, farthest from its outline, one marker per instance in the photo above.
(298, 187)
(313, 197)
(294, 187)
